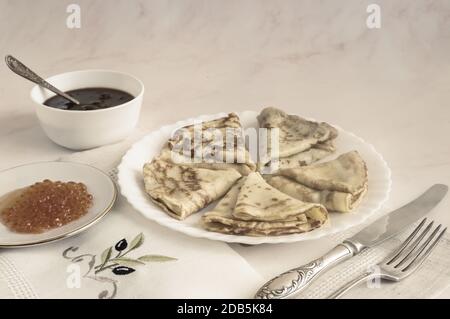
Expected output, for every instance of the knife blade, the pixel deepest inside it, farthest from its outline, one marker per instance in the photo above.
(293, 281)
(396, 221)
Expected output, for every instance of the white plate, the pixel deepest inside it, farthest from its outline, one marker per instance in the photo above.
(98, 183)
(132, 186)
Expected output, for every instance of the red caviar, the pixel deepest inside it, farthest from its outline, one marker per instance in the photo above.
(46, 205)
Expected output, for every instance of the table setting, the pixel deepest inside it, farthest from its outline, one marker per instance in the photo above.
(114, 185)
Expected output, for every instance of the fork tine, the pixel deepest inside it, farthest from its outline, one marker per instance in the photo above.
(417, 261)
(416, 252)
(392, 257)
(414, 244)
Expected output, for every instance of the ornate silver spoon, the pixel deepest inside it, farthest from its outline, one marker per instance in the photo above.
(21, 69)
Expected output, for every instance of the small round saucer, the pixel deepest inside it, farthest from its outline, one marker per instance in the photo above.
(99, 184)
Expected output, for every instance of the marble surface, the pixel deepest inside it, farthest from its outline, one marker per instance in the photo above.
(316, 58)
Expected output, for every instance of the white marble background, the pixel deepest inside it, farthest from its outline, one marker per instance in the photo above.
(390, 86)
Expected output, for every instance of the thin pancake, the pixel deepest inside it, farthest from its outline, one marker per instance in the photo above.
(212, 144)
(332, 200)
(239, 213)
(257, 200)
(347, 173)
(183, 190)
(339, 185)
(314, 154)
(168, 156)
(295, 133)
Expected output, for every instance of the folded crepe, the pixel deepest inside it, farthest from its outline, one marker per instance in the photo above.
(254, 208)
(183, 190)
(295, 133)
(176, 158)
(339, 184)
(314, 154)
(214, 144)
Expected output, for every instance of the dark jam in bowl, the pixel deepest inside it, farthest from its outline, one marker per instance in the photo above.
(90, 99)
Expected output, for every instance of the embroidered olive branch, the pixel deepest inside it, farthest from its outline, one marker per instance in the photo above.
(122, 265)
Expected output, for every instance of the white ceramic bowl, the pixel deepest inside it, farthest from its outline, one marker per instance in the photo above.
(80, 130)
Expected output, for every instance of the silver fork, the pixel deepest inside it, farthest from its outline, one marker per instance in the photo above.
(402, 262)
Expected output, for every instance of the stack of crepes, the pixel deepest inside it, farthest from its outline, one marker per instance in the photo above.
(183, 183)
(253, 207)
(300, 142)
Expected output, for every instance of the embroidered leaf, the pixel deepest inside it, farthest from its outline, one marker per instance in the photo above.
(156, 258)
(121, 245)
(122, 270)
(91, 263)
(136, 242)
(107, 293)
(103, 294)
(106, 255)
(123, 261)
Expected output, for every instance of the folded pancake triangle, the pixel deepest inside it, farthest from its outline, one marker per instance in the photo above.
(214, 144)
(253, 207)
(298, 141)
(339, 184)
(296, 134)
(183, 190)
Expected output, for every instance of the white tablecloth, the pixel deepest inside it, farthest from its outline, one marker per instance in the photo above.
(202, 269)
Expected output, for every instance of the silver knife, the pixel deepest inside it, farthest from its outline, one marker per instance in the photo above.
(295, 280)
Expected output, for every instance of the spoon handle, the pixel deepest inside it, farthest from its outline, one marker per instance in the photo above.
(19, 68)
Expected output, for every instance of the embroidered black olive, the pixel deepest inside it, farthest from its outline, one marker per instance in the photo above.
(123, 270)
(121, 245)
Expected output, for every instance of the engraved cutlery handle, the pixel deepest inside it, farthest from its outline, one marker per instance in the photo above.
(21, 69)
(295, 280)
